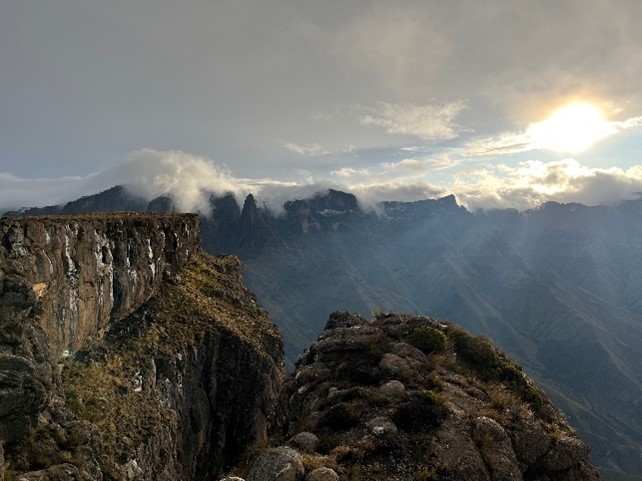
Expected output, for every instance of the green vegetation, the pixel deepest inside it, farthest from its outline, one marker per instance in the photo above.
(428, 340)
(102, 394)
(420, 412)
(492, 365)
(110, 392)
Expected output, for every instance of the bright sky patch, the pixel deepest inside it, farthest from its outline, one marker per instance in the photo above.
(572, 129)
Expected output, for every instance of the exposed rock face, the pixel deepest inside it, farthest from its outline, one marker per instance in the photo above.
(126, 353)
(410, 398)
(81, 272)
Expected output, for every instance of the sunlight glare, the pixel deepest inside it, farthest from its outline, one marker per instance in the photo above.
(571, 129)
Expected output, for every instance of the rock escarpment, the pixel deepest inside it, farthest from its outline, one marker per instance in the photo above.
(80, 272)
(127, 353)
(410, 398)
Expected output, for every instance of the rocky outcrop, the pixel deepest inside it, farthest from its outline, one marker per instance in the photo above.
(126, 353)
(411, 398)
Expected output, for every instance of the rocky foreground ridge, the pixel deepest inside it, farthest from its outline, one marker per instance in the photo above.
(410, 398)
(126, 353)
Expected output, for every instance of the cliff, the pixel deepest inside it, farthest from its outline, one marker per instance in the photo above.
(81, 271)
(127, 353)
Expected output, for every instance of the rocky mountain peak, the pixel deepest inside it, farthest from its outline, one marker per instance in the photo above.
(252, 231)
(335, 200)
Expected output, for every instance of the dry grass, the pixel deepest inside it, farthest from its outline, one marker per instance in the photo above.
(109, 394)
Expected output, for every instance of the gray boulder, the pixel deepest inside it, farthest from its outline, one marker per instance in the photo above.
(392, 388)
(277, 464)
(322, 474)
(304, 441)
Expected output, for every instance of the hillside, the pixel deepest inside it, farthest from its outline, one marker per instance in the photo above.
(411, 398)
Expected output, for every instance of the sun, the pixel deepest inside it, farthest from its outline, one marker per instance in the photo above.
(571, 129)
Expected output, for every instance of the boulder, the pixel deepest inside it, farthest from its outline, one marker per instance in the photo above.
(322, 474)
(304, 441)
(277, 464)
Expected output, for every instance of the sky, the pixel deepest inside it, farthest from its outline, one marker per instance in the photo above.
(504, 104)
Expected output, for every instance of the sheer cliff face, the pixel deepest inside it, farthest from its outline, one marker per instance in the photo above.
(81, 272)
(127, 353)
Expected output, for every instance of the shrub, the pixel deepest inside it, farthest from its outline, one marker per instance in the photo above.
(328, 442)
(492, 365)
(312, 461)
(420, 412)
(428, 340)
(475, 350)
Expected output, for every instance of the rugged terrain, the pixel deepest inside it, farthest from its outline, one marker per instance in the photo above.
(409, 398)
(558, 287)
(126, 352)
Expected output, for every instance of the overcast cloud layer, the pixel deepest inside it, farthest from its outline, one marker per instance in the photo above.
(396, 99)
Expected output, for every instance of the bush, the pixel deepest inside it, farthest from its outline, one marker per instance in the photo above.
(420, 412)
(492, 365)
(477, 351)
(428, 340)
(328, 442)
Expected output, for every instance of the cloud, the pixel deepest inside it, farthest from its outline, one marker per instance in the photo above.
(370, 195)
(533, 182)
(191, 178)
(524, 186)
(402, 45)
(408, 168)
(406, 164)
(149, 173)
(16, 192)
(347, 172)
(309, 150)
(427, 122)
(414, 167)
(549, 135)
(187, 178)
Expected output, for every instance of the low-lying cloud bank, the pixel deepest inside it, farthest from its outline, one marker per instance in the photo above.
(189, 179)
(533, 182)
(147, 173)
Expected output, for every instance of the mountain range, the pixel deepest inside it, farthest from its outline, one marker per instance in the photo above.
(558, 287)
